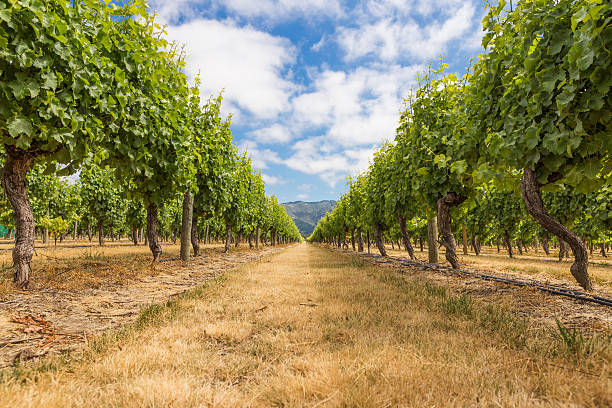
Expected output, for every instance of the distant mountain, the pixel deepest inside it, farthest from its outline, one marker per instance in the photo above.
(307, 215)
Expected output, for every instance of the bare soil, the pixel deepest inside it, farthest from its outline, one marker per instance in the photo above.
(79, 295)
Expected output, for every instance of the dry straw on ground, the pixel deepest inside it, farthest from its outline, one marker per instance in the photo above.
(311, 327)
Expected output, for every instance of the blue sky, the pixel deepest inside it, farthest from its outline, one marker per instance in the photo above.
(315, 86)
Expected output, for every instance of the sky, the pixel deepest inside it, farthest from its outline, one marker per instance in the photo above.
(315, 86)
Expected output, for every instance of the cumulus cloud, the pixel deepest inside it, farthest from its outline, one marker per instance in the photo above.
(391, 39)
(275, 10)
(271, 11)
(249, 64)
(260, 158)
(358, 107)
(275, 134)
(272, 180)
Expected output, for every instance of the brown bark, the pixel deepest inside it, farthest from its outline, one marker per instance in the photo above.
(402, 223)
(195, 242)
(475, 245)
(100, 232)
(359, 240)
(14, 180)
(186, 225)
(353, 238)
(508, 245)
(545, 245)
(228, 236)
(444, 224)
(251, 240)
(518, 245)
(134, 235)
(379, 241)
(257, 237)
(432, 240)
(465, 245)
(368, 239)
(152, 234)
(530, 189)
(603, 250)
(238, 239)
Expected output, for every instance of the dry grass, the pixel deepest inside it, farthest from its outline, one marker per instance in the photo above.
(78, 265)
(535, 265)
(310, 327)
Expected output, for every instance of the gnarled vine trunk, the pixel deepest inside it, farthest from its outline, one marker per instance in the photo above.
(195, 242)
(379, 241)
(251, 239)
(359, 240)
(402, 223)
(152, 234)
(432, 240)
(228, 236)
(186, 225)
(100, 232)
(444, 224)
(238, 239)
(508, 245)
(134, 235)
(14, 179)
(530, 189)
(257, 237)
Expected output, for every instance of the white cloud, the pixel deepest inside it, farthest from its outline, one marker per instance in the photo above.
(316, 156)
(302, 196)
(275, 10)
(247, 63)
(392, 39)
(359, 107)
(259, 157)
(276, 133)
(272, 180)
(271, 11)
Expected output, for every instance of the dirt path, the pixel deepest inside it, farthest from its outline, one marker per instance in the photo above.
(39, 322)
(310, 327)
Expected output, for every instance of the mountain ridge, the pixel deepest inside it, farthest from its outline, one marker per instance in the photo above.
(306, 214)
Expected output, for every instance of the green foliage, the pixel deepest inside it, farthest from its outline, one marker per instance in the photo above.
(541, 94)
(56, 226)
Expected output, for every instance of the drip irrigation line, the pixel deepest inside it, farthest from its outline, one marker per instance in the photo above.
(548, 288)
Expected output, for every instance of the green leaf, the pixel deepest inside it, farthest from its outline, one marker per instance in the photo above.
(5, 15)
(532, 137)
(20, 125)
(578, 17)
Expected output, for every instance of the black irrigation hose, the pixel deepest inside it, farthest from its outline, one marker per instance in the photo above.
(552, 289)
